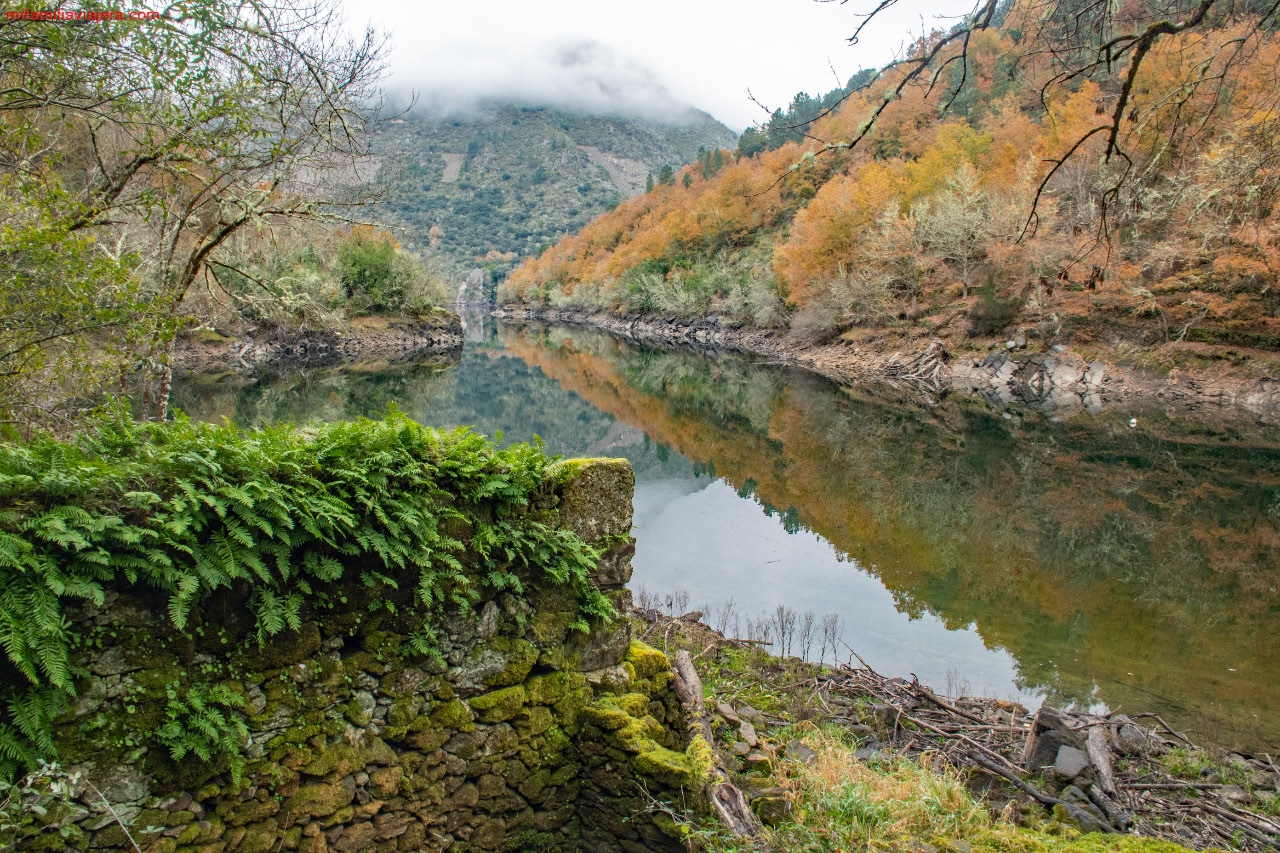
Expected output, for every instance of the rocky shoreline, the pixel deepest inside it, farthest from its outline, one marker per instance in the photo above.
(1121, 774)
(1058, 382)
(365, 339)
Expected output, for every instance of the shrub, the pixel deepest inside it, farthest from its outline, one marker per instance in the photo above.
(991, 315)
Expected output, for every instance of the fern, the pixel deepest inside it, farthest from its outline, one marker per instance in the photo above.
(188, 508)
(207, 720)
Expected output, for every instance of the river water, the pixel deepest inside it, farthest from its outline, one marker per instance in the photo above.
(986, 552)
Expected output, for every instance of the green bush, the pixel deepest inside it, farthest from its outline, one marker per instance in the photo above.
(377, 276)
(991, 315)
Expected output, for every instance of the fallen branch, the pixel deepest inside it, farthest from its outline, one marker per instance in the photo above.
(726, 799)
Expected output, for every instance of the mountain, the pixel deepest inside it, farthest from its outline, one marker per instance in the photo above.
(495, 186)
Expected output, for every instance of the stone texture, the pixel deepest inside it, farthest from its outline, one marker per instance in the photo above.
(358, 745)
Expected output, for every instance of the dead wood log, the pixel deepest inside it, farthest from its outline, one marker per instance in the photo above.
(1099, 753)
(726, 799)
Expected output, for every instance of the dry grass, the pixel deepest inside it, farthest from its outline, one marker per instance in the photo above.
(848, 802)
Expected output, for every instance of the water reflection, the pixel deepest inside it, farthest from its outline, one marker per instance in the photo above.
(1085, 561)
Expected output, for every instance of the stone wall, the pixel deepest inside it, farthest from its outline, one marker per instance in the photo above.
(524, 734)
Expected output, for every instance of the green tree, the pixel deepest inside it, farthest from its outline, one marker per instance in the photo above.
(156, 142)
(666, 175)
(750, 143)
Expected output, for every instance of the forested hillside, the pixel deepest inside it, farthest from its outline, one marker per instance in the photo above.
(497, 185)
(1071, 170)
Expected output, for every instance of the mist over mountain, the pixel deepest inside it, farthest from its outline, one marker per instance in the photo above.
(576, 75)
(489, 182)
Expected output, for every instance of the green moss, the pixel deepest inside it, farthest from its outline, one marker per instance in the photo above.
(521, 655)
(645, 660)
(343, 758)
(454, 714)
(554, 609)
(673, 768)
(499, 705)
(318, 800)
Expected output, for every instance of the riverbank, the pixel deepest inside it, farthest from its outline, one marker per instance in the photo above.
(1059, 381)
(932, 772)
(363, 339)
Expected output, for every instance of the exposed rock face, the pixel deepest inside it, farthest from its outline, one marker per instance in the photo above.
(394, 339)
(524, 734)
(1057, 382)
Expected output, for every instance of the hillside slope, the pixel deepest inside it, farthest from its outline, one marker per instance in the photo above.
(925, 227)
(497, 186)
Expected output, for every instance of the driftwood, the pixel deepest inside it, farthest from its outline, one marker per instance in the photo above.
(1099, 752)
(1018, 747)
(1007, 741)
(728, 801)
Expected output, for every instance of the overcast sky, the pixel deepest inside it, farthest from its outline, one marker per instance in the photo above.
(641, 56)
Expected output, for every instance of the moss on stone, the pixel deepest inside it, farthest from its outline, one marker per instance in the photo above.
(454, 714)
(318, 800)
(343, 758)
(555, 609)
(499, 705)
(645, 660)
(595, 496)
(520, 655)
(688, 769)
(285, 648)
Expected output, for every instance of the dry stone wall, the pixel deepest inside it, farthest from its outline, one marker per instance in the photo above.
(523, 734)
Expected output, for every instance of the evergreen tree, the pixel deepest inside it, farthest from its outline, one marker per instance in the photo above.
(648, 184)
(750, 143)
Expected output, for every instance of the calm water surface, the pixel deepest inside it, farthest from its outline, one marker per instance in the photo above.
(985, 552)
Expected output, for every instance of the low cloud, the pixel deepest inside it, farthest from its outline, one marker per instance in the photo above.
(580, 75)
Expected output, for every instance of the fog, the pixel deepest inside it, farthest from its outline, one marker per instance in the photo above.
(643, 58)
(580, 75)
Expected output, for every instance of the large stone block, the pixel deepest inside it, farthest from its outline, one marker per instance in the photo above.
(595, 498)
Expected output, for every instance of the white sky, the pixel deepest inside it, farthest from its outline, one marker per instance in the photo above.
(638, 56)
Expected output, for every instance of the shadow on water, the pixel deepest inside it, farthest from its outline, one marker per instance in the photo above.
(1083, 561)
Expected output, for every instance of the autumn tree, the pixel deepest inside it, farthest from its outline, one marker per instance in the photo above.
(956, 223)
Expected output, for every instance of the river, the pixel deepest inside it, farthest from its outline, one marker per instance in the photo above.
(993, 553)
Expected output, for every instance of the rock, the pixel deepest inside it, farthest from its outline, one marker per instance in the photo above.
(758, 762)
(798, 751)
(746, 712)
(114, 661)
(740, 748)
(870, 752)
(728, 713)
(1263, 779)
(614, 569)
(1081, 811)
(488, 623)
(748, 733)
(1134, 739)
(1070, 762)
(596, 496)
(1235, 795)
(1050, 731)
(772, 810)
(613, 678)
